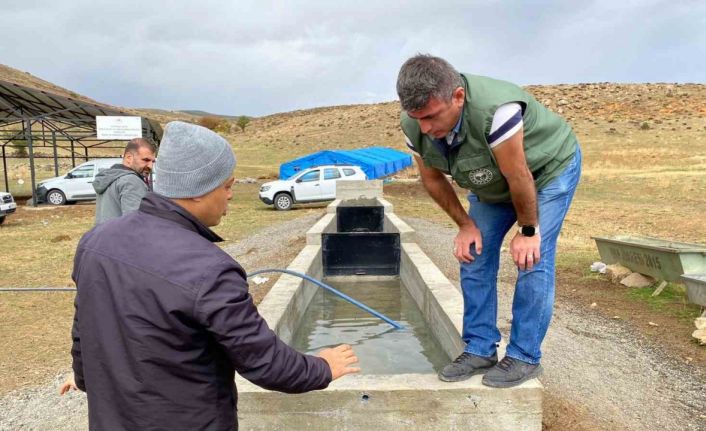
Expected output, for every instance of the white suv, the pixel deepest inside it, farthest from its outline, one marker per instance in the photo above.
(310, 185)
(7, 205)
(76, 185)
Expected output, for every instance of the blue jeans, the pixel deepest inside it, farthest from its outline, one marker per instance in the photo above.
(534, 291)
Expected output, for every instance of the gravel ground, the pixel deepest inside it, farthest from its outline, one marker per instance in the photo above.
(613, 374)
(623, 380)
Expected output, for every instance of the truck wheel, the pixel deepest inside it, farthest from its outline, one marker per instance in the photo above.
(283, 202)
(56, 197)
(2, 219)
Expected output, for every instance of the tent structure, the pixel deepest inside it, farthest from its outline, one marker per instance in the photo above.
(38, 120)
(376, 162)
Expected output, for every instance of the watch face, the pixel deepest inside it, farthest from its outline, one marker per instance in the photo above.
(528, 230)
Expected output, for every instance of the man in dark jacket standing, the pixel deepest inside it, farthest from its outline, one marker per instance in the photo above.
(163, 316)
(120, 189)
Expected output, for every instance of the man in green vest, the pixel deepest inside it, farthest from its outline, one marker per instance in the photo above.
(521, 164)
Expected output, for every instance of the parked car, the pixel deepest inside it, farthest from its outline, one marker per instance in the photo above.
(314, 184)
(76, 185)
(7, 205)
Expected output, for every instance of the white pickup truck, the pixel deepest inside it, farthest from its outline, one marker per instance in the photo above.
(7, 205)
(314, 184)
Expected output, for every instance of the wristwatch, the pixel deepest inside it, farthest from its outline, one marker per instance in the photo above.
(528, 230)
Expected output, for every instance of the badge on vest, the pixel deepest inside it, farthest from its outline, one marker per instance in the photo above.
(480, 176)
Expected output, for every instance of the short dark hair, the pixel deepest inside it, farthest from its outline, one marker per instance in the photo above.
(423, 77)
(135, 144)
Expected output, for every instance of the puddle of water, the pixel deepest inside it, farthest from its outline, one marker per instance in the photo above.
(380, 348)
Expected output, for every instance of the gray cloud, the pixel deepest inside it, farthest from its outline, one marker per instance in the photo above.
(257, 57)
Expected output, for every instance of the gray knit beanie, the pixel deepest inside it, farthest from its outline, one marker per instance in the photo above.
(192, 161)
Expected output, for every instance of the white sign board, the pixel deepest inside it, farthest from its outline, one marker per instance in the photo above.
(123, 128)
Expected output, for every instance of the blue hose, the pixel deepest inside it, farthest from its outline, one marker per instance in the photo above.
(286, 271)
(334, 291)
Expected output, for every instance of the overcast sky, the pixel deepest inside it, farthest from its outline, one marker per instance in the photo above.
(260, 57)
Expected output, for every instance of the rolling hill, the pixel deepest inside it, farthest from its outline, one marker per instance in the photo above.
(596, 111)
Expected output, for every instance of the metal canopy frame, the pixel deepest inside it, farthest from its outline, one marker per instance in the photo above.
(45, 120)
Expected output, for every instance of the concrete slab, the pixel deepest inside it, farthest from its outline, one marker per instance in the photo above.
(387, 206)
(331, 208)
(394, 402)
(288, 299)
(392, 223)
(327, 224)
(358, 189)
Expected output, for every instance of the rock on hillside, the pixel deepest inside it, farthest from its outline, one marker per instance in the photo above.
(350, 126)
(638, 102)
(632, 105)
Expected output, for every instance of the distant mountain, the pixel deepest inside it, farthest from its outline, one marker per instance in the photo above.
(207, 114)
(164, 116)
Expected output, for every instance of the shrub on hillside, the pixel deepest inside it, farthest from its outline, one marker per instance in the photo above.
(210, 122)
(243, 122)
(224, 127)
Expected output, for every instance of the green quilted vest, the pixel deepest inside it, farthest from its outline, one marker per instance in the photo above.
(549, 142)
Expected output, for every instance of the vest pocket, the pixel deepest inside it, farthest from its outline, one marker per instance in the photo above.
(476, 172)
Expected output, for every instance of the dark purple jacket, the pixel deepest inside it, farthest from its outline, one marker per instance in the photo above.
(163, 319)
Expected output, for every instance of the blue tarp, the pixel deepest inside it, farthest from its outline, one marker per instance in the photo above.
(376, 162)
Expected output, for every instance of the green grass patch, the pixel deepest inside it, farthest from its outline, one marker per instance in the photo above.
(672, 301)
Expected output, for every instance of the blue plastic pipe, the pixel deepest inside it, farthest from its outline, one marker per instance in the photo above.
(262, 271)
(334, 291)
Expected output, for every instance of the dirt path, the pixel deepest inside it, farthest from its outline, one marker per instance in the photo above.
(600, 374)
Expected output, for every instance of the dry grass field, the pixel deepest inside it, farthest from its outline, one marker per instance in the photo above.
(35, 330)
(644, 173)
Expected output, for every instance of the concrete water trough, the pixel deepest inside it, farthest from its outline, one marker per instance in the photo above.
(382, 399)
(661, 259)
(695, 288)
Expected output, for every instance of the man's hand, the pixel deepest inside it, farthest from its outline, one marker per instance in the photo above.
(339, 358)
(468, 234)
(525, 250)
(68, 385)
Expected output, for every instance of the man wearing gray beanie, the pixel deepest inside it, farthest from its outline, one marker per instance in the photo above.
(163, 316)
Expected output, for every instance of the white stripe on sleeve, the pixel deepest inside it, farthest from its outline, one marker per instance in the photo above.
(506, 122)
(409, 145)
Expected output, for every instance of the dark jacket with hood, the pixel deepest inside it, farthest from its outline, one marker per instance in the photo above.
(119, 191)
(164, 319)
